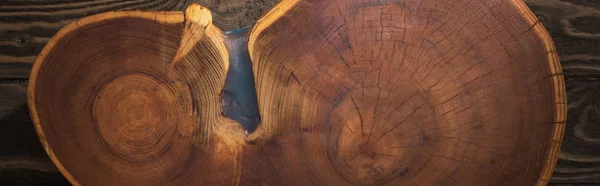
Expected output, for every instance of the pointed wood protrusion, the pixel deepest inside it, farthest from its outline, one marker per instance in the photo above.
(197, 18)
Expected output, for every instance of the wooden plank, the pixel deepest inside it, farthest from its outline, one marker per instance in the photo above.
(575, 28)
(31, 177)
(23, 160)
(26, 26)
(17, 133)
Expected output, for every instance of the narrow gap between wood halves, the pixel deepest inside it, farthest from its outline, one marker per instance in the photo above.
(238, 97)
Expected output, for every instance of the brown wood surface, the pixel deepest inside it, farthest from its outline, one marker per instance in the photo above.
(452, 94)
(26, 25)
(445, 96)
(579, 54)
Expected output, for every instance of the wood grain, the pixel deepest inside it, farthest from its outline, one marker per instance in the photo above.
(26, 26)
(574, 28)
(136, 116)
(23, 159)
(450, 95)
(580, 77)
(396, 105)
(134, 112)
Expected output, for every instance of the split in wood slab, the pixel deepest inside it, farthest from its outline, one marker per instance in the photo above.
(348, 92)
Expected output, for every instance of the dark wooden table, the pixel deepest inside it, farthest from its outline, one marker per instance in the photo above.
(26, 25)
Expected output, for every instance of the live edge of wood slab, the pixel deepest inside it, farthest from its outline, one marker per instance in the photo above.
(573, 24)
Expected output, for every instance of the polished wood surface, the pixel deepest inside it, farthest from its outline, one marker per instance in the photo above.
(455, 91)
(450, 95)
(19, 164)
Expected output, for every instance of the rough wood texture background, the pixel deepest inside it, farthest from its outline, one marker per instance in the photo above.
(575, 28)
(26, 25)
